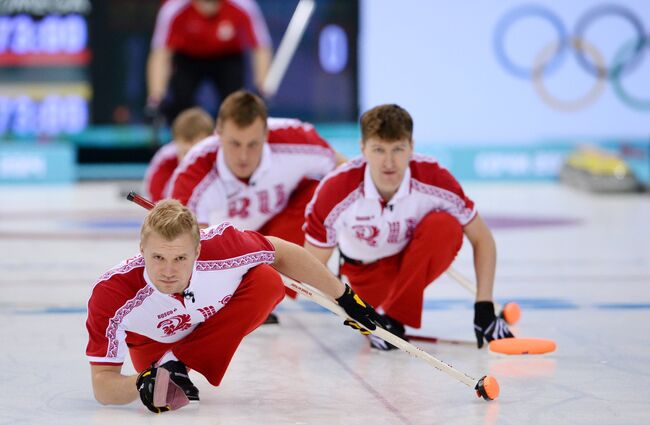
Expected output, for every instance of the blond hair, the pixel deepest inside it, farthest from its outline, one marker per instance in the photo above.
(192, 124)
(243, 108)
(387, 122)
(170, 219)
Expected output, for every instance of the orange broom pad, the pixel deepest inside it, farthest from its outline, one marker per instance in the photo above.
(522, 346)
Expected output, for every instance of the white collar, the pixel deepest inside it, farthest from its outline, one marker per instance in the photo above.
(370, 190)
(227, 175)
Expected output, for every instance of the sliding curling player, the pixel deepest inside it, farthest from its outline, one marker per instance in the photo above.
(188, 300)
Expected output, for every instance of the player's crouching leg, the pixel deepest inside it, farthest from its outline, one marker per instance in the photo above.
(209, 349)
(434, 246)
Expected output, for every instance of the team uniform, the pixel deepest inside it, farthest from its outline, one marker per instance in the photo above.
(158, 176)
(392, 250)
(207, 46)
(231, 292)
(273, 200)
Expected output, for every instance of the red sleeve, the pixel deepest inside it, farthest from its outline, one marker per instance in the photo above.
(315, 214)
(328, 199)
(436, 175)
(166, 32)
(159, 173)
(431, 178)
(291, 131)
(226, 241)
(255, 31)
(114, 295)
(174, 40)
(197, 164)
(101, 308)
(295, 137)
(313, 138)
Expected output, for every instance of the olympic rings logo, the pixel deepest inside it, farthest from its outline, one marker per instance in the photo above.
(550, 57)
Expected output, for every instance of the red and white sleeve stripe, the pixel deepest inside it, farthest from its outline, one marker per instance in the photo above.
(166, 16)
(258, 29)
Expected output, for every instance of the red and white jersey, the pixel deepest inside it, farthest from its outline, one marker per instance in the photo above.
(158, 176)
(125, 306)
(214, 194)
(348, 211)
(237, 26)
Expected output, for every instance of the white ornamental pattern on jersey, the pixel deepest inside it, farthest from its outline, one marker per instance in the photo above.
(240, 207)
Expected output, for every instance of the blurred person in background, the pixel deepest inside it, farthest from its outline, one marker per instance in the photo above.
(256, 172)
(398, 220)
(195, 40)
(189, 128)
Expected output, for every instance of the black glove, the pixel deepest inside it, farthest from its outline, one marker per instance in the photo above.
(145, 384)
(364, 316)
(152, 110)
(393, 326)
(487, 325)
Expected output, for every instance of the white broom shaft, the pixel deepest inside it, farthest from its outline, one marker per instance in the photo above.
(288, 46)
(466, 283)
(330, 305)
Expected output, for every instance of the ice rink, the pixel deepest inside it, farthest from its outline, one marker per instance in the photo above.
(577, 263)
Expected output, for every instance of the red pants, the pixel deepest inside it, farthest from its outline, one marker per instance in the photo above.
(397, 283)
(287, 224)
(210, 347)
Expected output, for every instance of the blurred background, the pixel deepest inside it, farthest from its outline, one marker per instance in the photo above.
(500, 90)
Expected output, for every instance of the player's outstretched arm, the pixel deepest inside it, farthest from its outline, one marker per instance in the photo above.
(111, 387)
(340, 158)
(295, 262)
(322, 254)
(485, 256)
(486, 324)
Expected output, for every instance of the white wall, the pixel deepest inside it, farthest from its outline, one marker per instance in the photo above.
(436, 58)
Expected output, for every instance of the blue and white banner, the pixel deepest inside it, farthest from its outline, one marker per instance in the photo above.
(37, 163)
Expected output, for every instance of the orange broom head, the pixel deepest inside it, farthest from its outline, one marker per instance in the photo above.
(511, 313)
(522, 346)
(487, 387)
(491, 387)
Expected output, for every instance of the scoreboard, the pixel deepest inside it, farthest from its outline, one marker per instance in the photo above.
(321, 81)
(59, 75)
(44, 56)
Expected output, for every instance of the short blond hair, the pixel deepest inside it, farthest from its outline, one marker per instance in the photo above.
(192, 124)
(170, 219)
